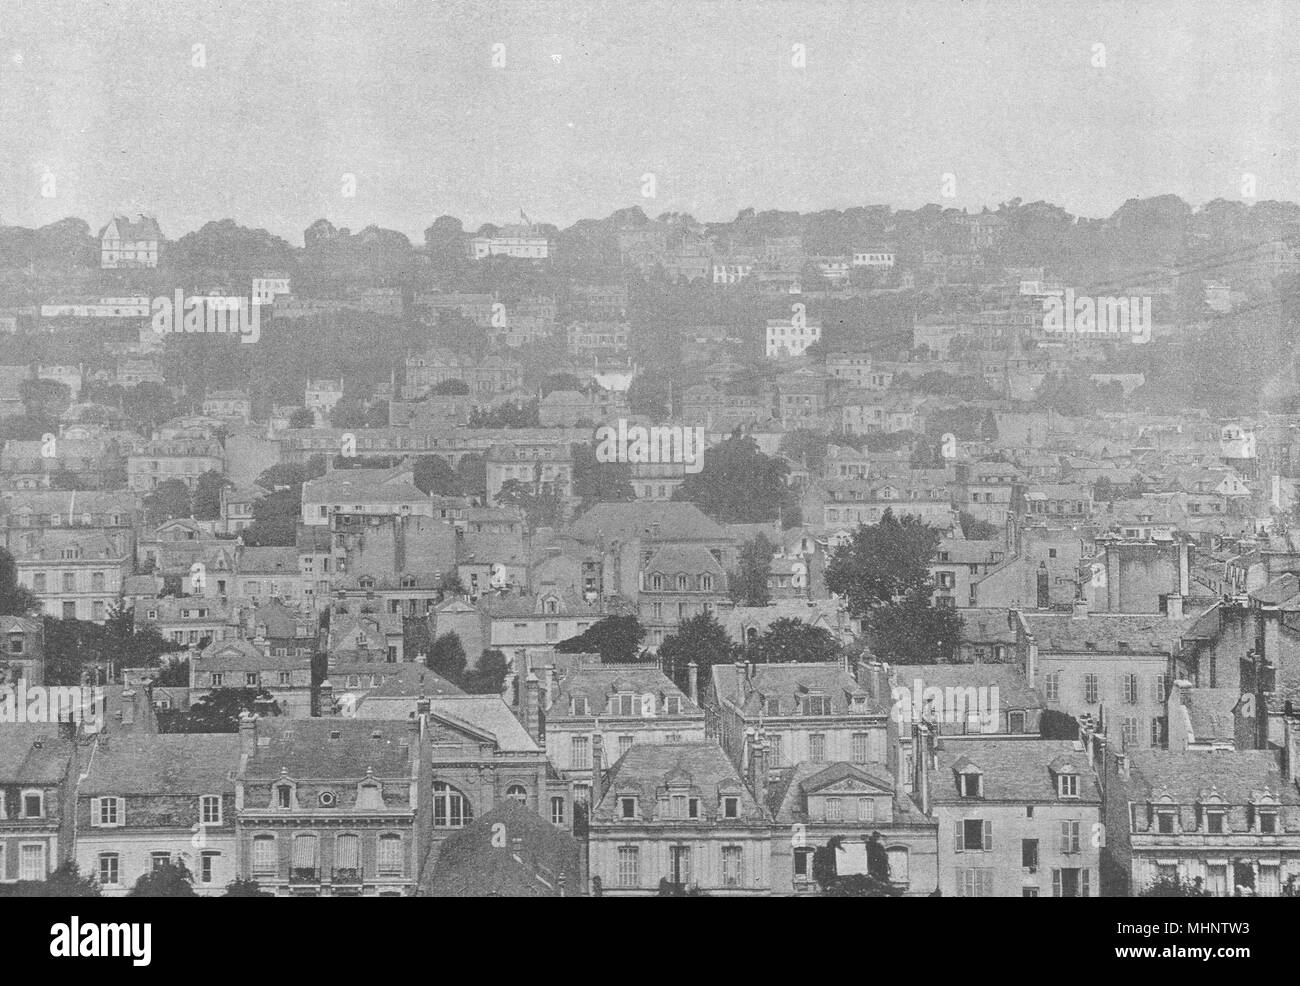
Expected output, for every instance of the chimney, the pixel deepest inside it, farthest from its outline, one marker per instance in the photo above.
(874, 677)
(758, 768)
(597, 769)
(1179, 722)
(508, 688)
(532, 719)
(1174, 605)
(548, 686)
(128, 706)
(921, 753)
(247, 734)
(693, 682)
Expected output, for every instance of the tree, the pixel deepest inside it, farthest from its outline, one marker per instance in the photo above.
(447, 657)
(973, 529)
(219, 711)
(789, 640)
(617, 639)
(239, 887)
(748, 584)
(882, 562)
(701, 640)
(275, 520)
(434, 476)
(303, 417)
(874, 883)
(451, 387)
(599, 482)
(66, 881)
(739, 484)
(914, 632)
(169, 879)
(206, 504)
(170, 499)
(489, 677)
(1176, 887)
(15, 598)
(174, 674)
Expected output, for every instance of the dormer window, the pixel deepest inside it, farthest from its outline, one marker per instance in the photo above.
(622, 704)
(656, 582)
(672, 705)
(408, 581)
(1267, 821)
(284, 796)
(970, 784)
(816, 705)
(579, 705)
(683, 583)
(1067, 784)
(551, 605)
(627, 807)
(367, 582)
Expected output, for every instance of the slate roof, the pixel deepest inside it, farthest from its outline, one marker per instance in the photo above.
(596, 684)
(331, 748)
(22, 761)
(163, 763)
(645, 769)
(787, 683)
(676, 520)
(787, 792)
(1236, 775)
(1014, 770)
(1144, 633)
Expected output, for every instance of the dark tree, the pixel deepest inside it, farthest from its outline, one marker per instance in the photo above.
(748, 584)
(170, 879)
(700, 639)
(447, 657)
(617, 639)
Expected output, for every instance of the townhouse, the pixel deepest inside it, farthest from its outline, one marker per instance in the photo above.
(38, 769)
(244, 664)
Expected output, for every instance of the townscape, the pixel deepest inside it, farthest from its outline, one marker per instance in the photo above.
(871, 551)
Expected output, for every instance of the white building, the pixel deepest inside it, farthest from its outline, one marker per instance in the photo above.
(874, 257)
(521, 242)
(791, 337)
(123, 243)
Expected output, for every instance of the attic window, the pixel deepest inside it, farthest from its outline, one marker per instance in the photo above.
(970, 784)
(367, 582)
(335, 734)
(816, 705)
(1067, 784)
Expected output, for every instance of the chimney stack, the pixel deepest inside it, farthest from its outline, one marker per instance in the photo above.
(921, 753)
(1174, 605)
(597, 769)
(758, 768)
(531, 712)
(247, 734)
(693, 682)
(325, 698)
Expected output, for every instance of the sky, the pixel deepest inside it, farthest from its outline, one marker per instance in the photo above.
(271, 113)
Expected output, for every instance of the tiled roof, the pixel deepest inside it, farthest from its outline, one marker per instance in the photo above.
(675, 521)
(786, 684)
(22, 761)
(596, 684)
(1144, 633)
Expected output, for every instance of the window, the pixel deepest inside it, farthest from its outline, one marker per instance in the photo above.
(731, 860)
(629, 866)
(1069, 837)
(1214, 820)
(774, 757)
(679, 861)
(110, 869)
(816, 705)
(861, 746)
(33, 804)
(347, 855)
(1129, 688)
(683, 583)
(207, 866)
(1158, 688)
(1165, 822)
(866, 810)
(672, 705)
(31, 861)
(624, 744)
(816, 747)
(973, 835)
(970, 784)
(627, 807)
(1067, 785)
(516, 792)
(731, 807)
(622, 704)
(1268, 822)
(1129, 730)
(557, 811)
(1029, 854)
(579, 705)
(285, 677)
(451, 809)
(110, 812)
(390, 854)
(580, 753)
(833, 810)
(899, 870)
(283, 796)
(305, 856)
(210, 809)
(1090, 690)
(218, 679)
(1052, 686)
(1069, 883)
(974, 882)
(157, 860)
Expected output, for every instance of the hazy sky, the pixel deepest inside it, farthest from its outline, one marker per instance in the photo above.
(295, 94)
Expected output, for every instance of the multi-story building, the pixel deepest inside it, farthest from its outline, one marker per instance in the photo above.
(75, 575)
(596, 338)
(243, 664)
(790, 337)
(184, 459)
(678, 581)
(520, 242)
(541, 468)
(333, 807)
(622, 704)
(22, 650)
(149, 799)
(810, 713)
(677, 816)
(360, 494)
(38, 765)
(125, 244)
(1016, 817)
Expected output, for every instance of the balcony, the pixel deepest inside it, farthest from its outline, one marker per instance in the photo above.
(347, 876)
(304, 874)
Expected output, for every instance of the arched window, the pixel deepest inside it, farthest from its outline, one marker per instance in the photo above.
(516, 792)
(451, 809)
